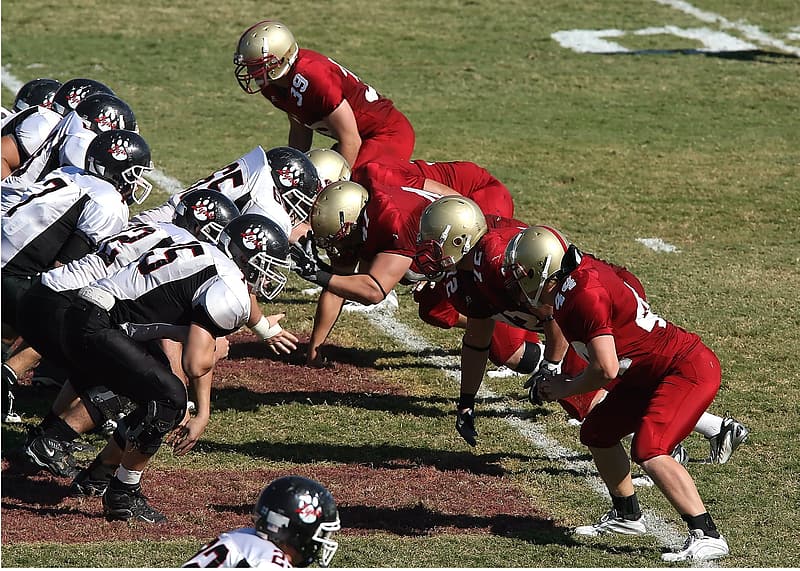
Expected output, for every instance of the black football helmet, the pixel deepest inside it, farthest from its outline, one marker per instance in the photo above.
(104, 112)
(36, 92)
(296, 181)
(74, 91)
(261, 250)
(204, 213)
(121, 157)
(301, 513)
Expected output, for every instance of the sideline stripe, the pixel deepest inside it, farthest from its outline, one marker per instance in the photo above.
(750, 31)
(665, 532)
(164, 181)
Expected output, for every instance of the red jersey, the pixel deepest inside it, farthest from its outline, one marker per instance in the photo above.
(597, 299)
(390, 220)
(318, 87)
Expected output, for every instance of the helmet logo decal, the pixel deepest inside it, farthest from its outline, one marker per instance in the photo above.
(76, 95)
(253, 238)
(119, 149)
(308, 508)
(289, 176)
(108, 120)
(204, 210)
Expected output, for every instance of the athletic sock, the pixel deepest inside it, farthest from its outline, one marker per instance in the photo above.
(627, 507)
(702, 522)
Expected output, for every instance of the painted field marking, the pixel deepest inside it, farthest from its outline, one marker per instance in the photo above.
(658, 245)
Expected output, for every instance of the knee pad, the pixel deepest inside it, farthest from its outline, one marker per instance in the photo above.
(159, 419)
(531, 357)
(104, 404)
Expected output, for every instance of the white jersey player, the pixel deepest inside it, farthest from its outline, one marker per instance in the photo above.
(23, 133)
(240, 548)
(248, 182)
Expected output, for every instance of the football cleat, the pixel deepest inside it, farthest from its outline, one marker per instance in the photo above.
(610, 522)
(389, 304)
(731, 434)
(122, 503)
(681, 455)
(51, 454)
(85, 485)
(699, 547)
(9, 378)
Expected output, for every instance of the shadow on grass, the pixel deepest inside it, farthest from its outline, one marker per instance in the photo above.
(419, 520)
(359, 357)
(375, 456)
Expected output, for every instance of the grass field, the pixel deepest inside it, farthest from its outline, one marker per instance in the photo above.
(651, 139)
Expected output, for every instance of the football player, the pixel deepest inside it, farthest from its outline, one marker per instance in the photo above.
(660, 379)
(280, 184)
(331, 166)
(66, 215)
(294, 521)
(192, 292)
(23, 133)
(318, 94)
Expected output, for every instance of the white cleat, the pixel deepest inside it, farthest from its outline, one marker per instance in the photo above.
(699, 547)
(732, 433)
(610, 522)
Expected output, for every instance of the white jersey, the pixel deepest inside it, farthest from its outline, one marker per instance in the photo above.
(64, 146)
(113, 254)
(169, 288)
(30, 128)
(240, 548)
(247, 182)
(69, 202)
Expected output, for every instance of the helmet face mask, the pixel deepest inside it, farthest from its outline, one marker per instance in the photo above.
(532, 258)
(296, 181)
(266, 52)
(299, 513)
(261, 250)
(448, 229)
(334, 216)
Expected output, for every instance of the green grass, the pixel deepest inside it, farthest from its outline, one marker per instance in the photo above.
(699, 151)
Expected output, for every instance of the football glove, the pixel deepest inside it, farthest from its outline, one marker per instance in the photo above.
(547, 370)
(306, 262)
(465, 425)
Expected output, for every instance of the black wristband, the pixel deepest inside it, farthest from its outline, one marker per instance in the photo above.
(547, 318)
(323, 278)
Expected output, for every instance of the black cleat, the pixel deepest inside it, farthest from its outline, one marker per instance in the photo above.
(51, 454)
(84, 485)
(123, 503)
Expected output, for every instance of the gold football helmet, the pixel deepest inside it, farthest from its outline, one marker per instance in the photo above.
(266, 52)
(448, 229)
(532, 258)
(331, 166)
(335, 213)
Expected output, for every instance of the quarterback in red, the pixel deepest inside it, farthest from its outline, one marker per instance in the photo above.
(320, 95)
(660, 379)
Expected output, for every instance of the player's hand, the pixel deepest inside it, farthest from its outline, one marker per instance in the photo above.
(465, 425)
(282, 342)
(185, 436)
(221, 348)
(547, 371)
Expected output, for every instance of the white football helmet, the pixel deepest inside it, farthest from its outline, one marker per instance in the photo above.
(266, 52)
(532, 258)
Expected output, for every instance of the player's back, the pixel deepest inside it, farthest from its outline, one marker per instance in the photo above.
(239, 548)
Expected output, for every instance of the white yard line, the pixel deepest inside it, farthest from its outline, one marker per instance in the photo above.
(749, 31)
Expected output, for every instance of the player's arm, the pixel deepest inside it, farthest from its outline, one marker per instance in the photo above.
(300, 136)
(270, 330)
(342, 125)
(198, 364)
(10, 152)
(603, 368)
(374, 283)
(329, 306)
(438, 188)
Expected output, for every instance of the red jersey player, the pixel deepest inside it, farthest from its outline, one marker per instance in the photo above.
(318, 94)
(660, 379)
